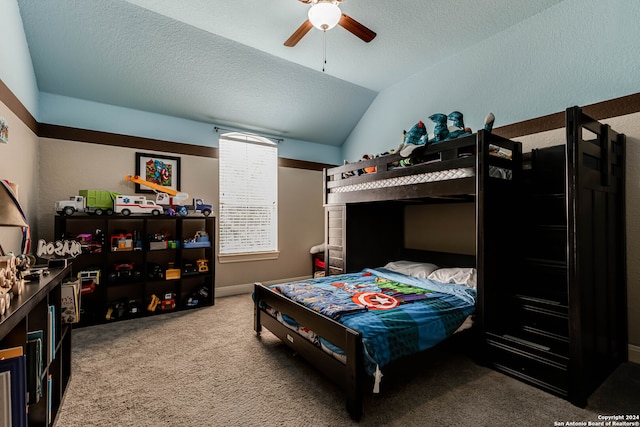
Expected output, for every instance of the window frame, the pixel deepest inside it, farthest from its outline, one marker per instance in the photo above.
(255, 255)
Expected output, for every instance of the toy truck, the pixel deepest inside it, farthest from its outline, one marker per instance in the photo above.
(200, 206)
(197, 205)
(126, 205)
(96, 202)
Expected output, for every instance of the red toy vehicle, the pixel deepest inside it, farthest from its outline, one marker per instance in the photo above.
(124, 271)
(168, 302)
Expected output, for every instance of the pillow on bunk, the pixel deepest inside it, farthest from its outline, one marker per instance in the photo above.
(411, 268)
(458, 275)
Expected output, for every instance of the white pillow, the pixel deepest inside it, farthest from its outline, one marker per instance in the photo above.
(460, 276)
(411, 268)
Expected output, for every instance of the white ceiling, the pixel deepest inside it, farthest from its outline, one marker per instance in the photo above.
(224, 62)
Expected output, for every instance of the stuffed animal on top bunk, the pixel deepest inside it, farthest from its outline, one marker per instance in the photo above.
(458, 129)
(369, 169)
(488, 122)
(417, 135)
(440, 130)
(443, 132)
(412, 139)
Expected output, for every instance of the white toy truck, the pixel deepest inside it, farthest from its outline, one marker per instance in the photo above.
(126, 205)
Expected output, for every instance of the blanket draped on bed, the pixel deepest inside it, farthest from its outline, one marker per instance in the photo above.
(397, 315)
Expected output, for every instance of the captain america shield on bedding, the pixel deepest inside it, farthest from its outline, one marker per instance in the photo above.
(397, 314)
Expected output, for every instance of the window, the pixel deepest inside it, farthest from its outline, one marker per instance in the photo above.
(248, 198)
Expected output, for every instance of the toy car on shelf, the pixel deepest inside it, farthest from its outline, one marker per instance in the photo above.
(189, 268)
(172, 273)
(121, 242)
(199, 240)
(124, 271)
(203, 265)
(89, 243)
(122, 309)
(168, 302)
(198, 297)
(154, 271)
(89, 279)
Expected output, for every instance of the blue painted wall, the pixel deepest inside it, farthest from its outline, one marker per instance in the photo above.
(73, 112)
(16, 69)
(578, 52)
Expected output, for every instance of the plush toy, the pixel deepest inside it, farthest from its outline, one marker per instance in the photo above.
(440, 131)
(457, 118)
(370, 169)
(457, 130)
(416, 134)
(488, 122)
(415, 137)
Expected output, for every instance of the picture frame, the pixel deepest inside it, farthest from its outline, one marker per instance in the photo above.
(159, 169)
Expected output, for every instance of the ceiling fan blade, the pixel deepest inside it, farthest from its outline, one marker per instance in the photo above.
(356, 28)
(299, 34)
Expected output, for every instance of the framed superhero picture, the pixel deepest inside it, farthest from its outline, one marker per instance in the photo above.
(159, 169)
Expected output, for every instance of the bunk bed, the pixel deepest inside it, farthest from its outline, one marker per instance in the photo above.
(550, 254)
(479, 168)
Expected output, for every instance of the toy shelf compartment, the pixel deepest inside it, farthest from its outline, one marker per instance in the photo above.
(166, 263)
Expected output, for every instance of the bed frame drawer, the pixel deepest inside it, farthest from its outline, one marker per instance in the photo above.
(542, 315)
(529, 365)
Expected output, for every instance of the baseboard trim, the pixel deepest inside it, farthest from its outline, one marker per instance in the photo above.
(634, 353)
(247, 288)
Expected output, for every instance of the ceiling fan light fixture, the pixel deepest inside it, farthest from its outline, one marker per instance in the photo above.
(325, 15)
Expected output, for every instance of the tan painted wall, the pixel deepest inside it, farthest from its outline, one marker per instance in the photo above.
(424, 225)
(67, 167)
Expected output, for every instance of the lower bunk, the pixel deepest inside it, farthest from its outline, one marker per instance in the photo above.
(352, 326)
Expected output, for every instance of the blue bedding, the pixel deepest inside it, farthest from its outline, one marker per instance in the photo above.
(397, 315)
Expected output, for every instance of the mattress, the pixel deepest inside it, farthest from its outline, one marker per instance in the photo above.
(443, 175)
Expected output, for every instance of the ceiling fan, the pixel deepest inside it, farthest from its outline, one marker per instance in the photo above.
(324, 15)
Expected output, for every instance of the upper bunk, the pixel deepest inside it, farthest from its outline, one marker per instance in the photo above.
(456, 169)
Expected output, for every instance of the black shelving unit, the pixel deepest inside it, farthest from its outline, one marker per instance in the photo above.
(29, 312)
(129, 260)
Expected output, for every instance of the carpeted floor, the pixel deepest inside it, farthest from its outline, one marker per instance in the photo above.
(206, 367)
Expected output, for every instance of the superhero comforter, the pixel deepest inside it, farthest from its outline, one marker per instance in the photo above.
(397, 315)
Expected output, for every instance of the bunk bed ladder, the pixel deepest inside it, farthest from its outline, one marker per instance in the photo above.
(561, 324)
(596, 252)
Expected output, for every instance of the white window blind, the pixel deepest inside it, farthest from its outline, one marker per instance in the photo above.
(248, 194)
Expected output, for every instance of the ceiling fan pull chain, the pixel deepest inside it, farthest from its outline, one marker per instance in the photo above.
(324, 49)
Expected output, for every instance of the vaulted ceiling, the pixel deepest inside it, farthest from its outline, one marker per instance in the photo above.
(224, 62)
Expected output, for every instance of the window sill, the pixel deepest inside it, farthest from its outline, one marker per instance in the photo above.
(248, 257)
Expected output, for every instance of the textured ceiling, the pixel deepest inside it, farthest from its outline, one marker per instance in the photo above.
(224, 62)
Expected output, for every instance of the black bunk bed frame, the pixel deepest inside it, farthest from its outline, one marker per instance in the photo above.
(360, 212)
(550, 256)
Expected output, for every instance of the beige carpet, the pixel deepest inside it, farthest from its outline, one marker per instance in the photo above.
(206, 367)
